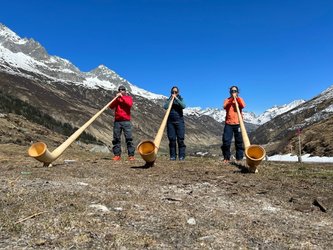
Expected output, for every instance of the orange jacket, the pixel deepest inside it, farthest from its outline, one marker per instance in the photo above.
(230, 107)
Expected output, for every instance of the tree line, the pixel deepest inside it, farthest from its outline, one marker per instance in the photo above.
(11, 104)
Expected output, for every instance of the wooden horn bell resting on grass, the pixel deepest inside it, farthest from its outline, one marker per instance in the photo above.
(40, 152)
(253, 153)
(148, 149)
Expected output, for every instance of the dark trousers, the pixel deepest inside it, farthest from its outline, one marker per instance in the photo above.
(118, 127)
(176, 134)
(229, 131)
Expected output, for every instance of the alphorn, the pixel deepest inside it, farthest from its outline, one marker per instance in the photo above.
(148, 149)
(40, 152)
(254, 153)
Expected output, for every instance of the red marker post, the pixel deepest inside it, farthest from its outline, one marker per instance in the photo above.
(299, 131)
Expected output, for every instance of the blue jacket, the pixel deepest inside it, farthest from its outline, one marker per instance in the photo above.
(176, 112)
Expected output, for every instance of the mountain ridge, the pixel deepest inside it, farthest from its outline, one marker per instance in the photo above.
(63, 70)
(54, 84)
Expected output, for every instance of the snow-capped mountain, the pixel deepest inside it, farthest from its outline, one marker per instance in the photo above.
(249, 117)
(31, 77)
(313, 118)
(273, 112)
(25, 56)
(322, 105)
(52, 92)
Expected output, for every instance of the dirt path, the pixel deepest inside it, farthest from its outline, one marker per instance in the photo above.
(197, 204)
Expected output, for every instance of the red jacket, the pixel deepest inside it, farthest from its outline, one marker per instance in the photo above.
(231, 115)
(122, 107)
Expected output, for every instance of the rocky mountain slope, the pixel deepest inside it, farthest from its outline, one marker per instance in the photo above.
(313, 118)
(76, 104)
(18, 55)
(57, 88)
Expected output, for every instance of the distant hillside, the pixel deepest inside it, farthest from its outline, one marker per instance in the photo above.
(74, 105)
(313, 117)
(11, 104)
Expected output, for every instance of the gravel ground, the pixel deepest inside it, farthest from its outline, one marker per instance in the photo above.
(85, 200)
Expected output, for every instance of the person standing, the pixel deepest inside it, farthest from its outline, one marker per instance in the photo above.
(122, 123)
(232, 126)
(176, 125)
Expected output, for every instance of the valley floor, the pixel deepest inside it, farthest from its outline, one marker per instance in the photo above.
(85, 200)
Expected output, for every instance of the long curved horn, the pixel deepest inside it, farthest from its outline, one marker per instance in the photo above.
(254, 153)
(148, 149)
(40, 152)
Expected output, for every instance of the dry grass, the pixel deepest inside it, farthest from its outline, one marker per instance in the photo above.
(62, 207)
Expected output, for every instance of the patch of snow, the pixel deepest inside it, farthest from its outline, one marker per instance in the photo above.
(94, 83)
(201, 153)
(100, 207)
(329, 109)
(191, 221)
(305, 158)
(144, 93)
(82, 183)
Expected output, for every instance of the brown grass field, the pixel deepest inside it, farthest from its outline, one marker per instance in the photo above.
(95, 203)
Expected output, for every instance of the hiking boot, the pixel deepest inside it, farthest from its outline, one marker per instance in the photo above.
(131, 158)
(172, 158)
(116, 158)
(182, 158)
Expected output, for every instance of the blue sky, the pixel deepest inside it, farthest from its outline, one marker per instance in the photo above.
(276, 51)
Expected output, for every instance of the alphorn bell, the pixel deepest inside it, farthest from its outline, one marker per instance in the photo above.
(253, 153)
(40, 152)
(148, 149)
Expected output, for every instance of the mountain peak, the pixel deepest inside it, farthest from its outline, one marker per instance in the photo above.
(103, 71)
(103, 67)
(7, 34)
(4, 30)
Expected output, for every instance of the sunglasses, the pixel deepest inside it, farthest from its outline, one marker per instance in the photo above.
(233, 91)
(121, 89)
(174, 92)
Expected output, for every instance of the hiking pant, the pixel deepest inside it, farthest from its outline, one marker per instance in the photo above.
(118, 127)
(176, 135)
(229, 131)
